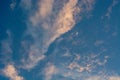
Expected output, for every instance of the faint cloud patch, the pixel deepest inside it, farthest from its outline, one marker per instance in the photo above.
(5, 48)
(26, 4)
(87, 63)
(98, 42)
(110, 9)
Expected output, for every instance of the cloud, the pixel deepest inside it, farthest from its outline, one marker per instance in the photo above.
(88, 4)
(6, 50)
(48, 22)
(95, 78)
(103, 77)
(65, 20)
(73, 74)
(12, 73)
(6, 43)
(87, 63)
(110, 8)
(48, 30)
(98, 42)
(45, 8)
(32, 61)
(49, 71)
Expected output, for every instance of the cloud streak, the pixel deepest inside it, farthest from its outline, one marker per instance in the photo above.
(64, 21)
(110, 8)
(6, 50)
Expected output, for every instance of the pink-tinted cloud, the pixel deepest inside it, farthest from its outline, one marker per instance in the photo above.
(11, 72)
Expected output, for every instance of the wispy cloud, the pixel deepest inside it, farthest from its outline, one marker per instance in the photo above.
(63, 22)
(89, 64)
(49, 71)
(45, 9)
(89, 4)
(72, 74)
(103, 77)
(98, 42)
(110, 8)
(6, 50)
(45, 25)
(11, 72)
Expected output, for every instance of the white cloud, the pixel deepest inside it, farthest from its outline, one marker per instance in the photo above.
(6, 49)
(12, 73)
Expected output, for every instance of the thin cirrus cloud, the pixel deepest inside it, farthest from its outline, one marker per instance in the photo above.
(65, 20)
(62, 23)
(48, 23)
(72, 74)
(6, 50)
(11, 72)
(110, 8)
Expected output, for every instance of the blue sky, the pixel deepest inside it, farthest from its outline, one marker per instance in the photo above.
(59, 40)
